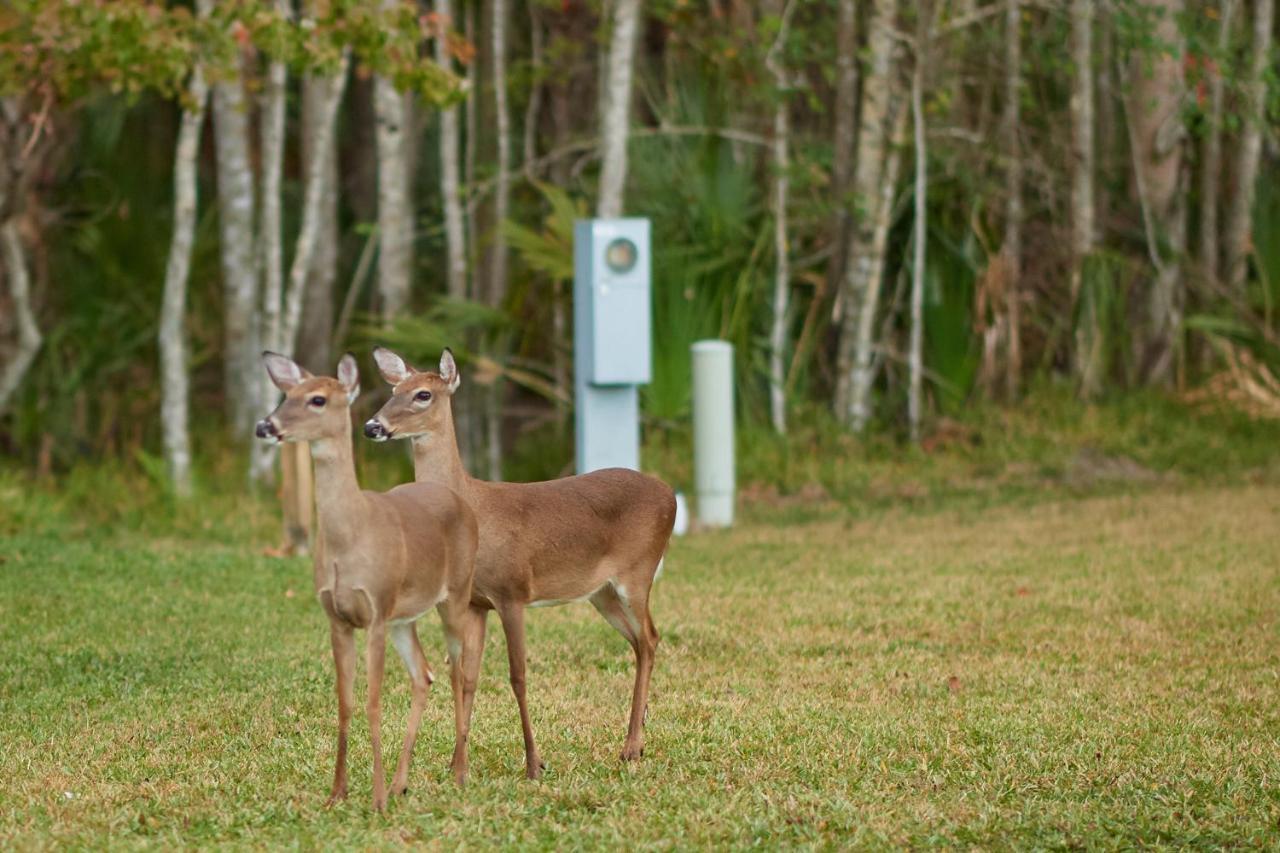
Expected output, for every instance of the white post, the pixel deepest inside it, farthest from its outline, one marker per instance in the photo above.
(713, 436)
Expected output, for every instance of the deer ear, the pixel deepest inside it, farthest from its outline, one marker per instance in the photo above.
(392, 367)
(449, 370)
(349, 376)
(284, 371)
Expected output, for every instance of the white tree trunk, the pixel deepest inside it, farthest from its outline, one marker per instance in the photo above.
(1012, 247)
(29, 338)
(1240, 214)
(861, 289)
(270, 251)
(1211, 149)
(312, 195)
(174, 383)
(395, 215)
(450, 193)
(236, 238)
(782, 269)
(1083, 227)
(843, 139)
(315, 335)
(915, 353)
(616, 108)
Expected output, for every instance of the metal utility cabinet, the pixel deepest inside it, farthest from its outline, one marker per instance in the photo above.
(612, 339)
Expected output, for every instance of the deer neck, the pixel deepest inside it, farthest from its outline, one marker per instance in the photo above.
(337, 490)
(436, 459)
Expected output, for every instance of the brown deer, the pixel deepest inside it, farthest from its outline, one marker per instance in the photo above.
(381, 561)
(598, 537)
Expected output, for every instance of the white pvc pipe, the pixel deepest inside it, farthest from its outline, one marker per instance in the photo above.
(713, 436)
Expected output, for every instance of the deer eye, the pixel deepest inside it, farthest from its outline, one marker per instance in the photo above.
(422, 396)
(318, 402)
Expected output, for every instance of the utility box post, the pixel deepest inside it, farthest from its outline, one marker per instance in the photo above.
(612, 339)
(713, 432)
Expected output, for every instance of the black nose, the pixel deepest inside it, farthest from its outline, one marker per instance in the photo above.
(373, 429)
(264, 429)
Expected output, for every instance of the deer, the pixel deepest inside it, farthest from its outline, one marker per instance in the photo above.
(381, 561)
(599, 537)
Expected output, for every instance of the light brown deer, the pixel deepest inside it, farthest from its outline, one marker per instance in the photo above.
(381, 561)
(598, 537)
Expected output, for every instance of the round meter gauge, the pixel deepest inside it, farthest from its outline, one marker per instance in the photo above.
(621, 255)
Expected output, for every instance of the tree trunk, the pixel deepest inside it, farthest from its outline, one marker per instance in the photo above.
(1159, 137)
(861, 289)
(29, 337)
(1239, 216)
(782, 269)
(395, 215)
(843, 139)
(1083, 226)
(615, 111)
(312, 195)
(236, 238)
(270, 250)
(174, 383)
(915, 354)
(1211, 148)
(533, 110)
(1012, 248)
(455, 236)
(314, 350)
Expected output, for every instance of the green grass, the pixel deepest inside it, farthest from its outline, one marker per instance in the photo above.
(1075, 670)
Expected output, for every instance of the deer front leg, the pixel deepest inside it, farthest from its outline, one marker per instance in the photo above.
(464, 634)
(405, 638)
(512, 616)
(375, 656)
(344, 664)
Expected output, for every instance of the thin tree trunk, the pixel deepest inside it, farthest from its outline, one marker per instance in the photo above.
(174, 383)
(533, 109)
(395, 216)
(1156, 95)
(236, 237)
(1211, 148)
(915, 354)
(270, 249)
(843, 139)
(1012, 248)
(314, 350)
(1083, 226)
(782, 270)
(455, 235)
(496, 283)
(313, 193)
(616, 108)
(861, 288)
(29, 337)
(1240, 214)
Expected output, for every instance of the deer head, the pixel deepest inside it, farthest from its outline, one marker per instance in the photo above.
(314, 407)
(420, 400)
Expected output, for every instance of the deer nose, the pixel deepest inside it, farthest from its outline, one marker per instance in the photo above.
(265, 429)
(375, 430)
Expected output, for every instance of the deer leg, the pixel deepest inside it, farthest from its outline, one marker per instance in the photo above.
(464, 634)
(405, 638)
(375, 659)
(512, 616)
(344, 664)
(630, 616)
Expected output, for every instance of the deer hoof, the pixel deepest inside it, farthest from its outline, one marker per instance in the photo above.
(335, 798)
(534, 770)
(632, 753)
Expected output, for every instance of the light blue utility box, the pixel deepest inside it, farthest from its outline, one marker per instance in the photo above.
(612, 336)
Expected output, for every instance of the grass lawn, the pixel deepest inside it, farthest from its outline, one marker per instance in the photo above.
(1073, 671)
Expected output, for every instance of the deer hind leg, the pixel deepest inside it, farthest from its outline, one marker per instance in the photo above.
(375, 658)
(344, 664)
(512, 616)
(405, 638)
(628, 612)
